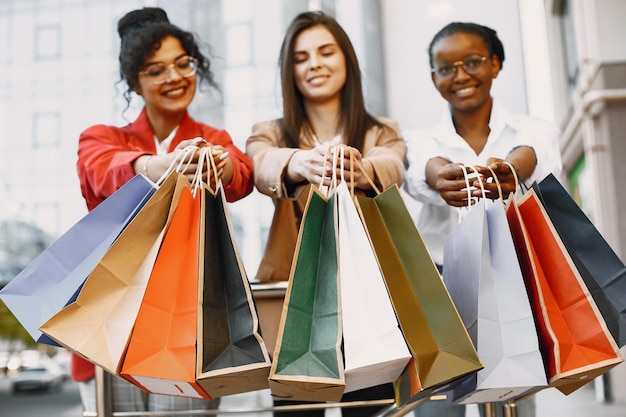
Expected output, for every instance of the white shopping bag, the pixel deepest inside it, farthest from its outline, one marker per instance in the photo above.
(483, 276)
(374, 348)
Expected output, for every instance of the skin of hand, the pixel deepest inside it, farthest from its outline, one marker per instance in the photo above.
(308, 165)
(316, 166)
(522, 158)
(362, 169)
(224, 166)
(447, 179)
(157, 165)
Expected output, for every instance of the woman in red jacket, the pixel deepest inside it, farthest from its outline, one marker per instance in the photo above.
(161, 63)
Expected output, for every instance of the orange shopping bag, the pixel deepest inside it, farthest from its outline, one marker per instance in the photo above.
(575, 341)
(161, 354)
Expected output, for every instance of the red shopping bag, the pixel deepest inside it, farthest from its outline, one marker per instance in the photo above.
(575, 341)
(161, 354)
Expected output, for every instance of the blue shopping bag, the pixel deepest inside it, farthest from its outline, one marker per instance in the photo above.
(54, 278)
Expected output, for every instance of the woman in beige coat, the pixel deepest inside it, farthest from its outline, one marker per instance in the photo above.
(323, 105)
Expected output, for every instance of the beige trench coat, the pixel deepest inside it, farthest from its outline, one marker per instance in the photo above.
(384, 148)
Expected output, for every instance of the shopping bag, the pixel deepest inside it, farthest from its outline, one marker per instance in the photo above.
(374, 348)
(307, 362)
(161, 353)
(281, 240)
(441, 349)
(231, 357)
(575, 341)
(53, 279)
(483, 276)
(98, 323)
(601, 269)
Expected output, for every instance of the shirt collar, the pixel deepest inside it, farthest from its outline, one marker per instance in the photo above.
(500, 118)
(141, 129)
(163, 147)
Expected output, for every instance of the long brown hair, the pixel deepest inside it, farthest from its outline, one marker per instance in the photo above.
(355, 120)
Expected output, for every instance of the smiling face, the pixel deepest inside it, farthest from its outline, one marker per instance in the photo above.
(319, 65)
(171, 98)
(465, 92)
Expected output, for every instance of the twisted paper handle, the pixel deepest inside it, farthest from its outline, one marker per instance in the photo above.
(515, 176)
(179, 163)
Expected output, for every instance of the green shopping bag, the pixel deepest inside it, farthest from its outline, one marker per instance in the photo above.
(307, 363)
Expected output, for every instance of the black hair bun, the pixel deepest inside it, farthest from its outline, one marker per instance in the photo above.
(140, 18)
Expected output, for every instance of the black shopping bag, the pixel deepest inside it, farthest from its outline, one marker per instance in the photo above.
(232, 356)
(601, 269)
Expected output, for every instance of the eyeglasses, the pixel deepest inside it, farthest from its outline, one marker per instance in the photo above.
(159, 73)
(472, 64)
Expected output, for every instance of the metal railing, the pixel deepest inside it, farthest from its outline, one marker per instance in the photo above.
(262, 292)
(104, 405)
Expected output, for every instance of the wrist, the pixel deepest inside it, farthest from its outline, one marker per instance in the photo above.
(145, 166)
(292, 173)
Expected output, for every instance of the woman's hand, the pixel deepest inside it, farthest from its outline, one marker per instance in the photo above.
(311, 166)
(359, 171)
(449, 181)
(505, 176)
(185, 163)
(223, 166)
(220, 166)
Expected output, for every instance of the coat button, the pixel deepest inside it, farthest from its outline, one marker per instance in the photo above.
(272, 189)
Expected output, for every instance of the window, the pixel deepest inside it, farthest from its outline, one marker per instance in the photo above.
(48, 216)
(239, 45)
(47, 130)
(563, 9)
(47, 42)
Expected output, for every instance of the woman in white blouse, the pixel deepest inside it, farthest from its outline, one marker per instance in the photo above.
(475, 130)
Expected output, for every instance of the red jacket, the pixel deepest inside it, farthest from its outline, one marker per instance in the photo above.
(106, 154)
(105, 158)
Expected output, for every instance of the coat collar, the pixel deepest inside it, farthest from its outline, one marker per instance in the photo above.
(142, 130)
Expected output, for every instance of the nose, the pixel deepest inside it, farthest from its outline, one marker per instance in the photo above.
(172, 73)
(314, 61)
(460, 73)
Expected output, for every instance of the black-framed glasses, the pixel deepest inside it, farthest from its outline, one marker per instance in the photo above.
(472, 64)
(159, 73)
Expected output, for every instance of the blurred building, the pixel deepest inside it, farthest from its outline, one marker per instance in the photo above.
(588, 62)
(20, 243)
(59, 66)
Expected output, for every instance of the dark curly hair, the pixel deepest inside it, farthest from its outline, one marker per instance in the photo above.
(141, 32)
(488, 35)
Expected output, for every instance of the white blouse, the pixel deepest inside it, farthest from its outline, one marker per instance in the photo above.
(507, 131)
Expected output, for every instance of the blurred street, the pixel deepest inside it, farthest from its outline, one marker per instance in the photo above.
(66, 403)
(56, 403)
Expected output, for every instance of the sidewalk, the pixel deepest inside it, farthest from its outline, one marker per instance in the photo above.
(549, 403)
(581, 403)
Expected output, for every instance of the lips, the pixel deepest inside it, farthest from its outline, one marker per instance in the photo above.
(465, 92)
(175, 93)
(317, 80)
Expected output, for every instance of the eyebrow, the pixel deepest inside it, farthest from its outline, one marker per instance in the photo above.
(466, 56)
(161, 62)
(320, 47)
